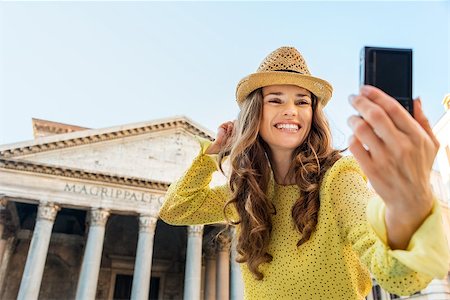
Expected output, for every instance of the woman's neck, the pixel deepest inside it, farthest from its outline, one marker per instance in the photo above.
(281, 162)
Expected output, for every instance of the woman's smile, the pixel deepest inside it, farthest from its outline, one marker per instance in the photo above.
(288, 127)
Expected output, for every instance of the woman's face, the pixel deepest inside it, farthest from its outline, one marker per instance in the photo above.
(286, 117)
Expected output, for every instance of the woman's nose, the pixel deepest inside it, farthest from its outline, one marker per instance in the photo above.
(290, 110)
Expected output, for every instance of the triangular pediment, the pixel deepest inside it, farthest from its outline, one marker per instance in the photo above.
(157, 151)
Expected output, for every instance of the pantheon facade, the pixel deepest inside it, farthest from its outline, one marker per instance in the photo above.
(79, 218)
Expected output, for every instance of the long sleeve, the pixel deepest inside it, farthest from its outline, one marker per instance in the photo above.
(190, 200)
(402, 272)
(427, 250)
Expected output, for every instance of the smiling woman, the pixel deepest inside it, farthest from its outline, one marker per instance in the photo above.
(308, 226)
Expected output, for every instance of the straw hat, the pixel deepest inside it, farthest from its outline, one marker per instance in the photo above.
(284, 66)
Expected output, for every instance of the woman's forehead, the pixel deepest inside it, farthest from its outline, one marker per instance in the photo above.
(285, 88)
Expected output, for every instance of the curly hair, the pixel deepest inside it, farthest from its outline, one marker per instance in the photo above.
(250, 175)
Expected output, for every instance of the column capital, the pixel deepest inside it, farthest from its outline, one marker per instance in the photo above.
(98, 217)
(7, 228)
(210, 250)
(3, 213)
(147, 223)
(3, 202)
(195, 230)
(47, 211)
(224, 241)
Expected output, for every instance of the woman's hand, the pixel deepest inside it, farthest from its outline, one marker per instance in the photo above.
(396, 152)
(224, 132)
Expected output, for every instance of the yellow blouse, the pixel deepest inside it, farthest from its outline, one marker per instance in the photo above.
(348, 243)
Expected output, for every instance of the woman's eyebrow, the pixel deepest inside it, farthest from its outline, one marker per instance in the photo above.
(280, 94)
(274, 93)
(303, 95)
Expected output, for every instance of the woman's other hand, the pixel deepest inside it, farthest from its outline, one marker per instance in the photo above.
(224, 132)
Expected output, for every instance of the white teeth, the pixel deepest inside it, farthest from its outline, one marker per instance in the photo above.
(287, 126)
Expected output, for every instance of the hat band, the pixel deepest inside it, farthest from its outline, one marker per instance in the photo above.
(292, 71)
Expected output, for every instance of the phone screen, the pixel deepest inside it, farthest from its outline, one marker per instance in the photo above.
(389, 69)
(393, 69)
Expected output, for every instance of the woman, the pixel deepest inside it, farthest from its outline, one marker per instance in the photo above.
(308, 226)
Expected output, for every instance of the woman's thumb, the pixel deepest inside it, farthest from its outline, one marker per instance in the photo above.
(220, 134)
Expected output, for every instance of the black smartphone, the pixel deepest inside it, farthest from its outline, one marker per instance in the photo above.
(389, 69)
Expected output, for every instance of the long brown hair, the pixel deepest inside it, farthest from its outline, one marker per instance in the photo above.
(250, 175)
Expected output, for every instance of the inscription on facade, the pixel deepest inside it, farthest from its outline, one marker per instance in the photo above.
(112, 193)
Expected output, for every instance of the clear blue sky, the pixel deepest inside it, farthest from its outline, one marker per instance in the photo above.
(101, 64)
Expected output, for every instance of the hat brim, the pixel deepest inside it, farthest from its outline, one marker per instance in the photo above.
(319, 87)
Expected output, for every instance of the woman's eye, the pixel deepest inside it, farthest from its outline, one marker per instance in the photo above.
(275, 100)
(302, 102)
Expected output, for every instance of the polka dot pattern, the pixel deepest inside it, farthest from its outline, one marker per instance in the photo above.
(333, 264)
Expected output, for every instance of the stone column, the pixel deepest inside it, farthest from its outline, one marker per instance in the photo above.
(237, 285)
(210, 271)
(3, 240)
(223, 267)
(192, 274)
(437, 288)
(202, 280)
(144, 253)
(370, 296)
(37, 253)
(90, 268)
(9, 250)
(385, 295)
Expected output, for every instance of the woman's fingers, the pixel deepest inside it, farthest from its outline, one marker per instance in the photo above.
(221, 132)
(366, 136)
(400, 117)
(376, 117)
(423, 121)
(230, 127)
(361, 154)
(224, 131)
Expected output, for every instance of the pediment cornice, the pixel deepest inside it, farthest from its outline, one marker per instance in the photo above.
(27, 166)
(84, 137)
